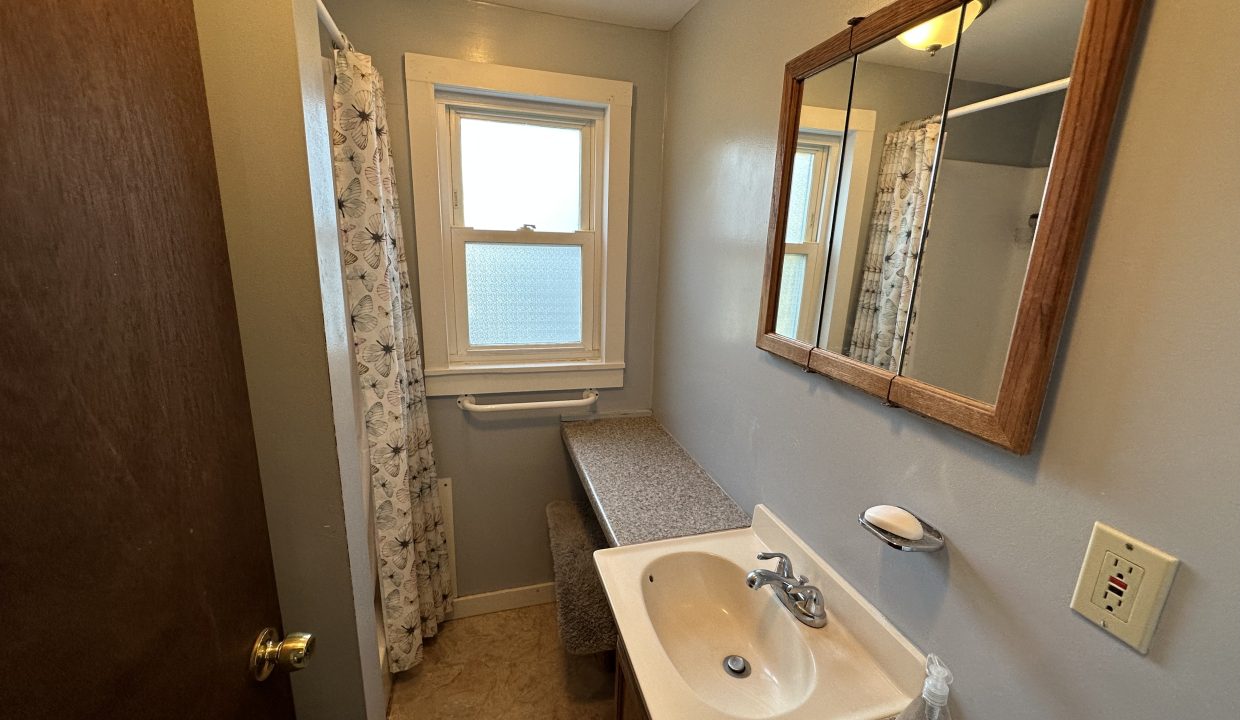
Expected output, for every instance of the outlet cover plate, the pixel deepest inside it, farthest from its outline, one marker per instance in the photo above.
(1147, 573)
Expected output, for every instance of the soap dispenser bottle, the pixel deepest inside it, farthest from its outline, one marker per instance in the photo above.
(932, 705)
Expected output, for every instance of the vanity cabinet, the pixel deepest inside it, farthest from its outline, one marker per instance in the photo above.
(629, 703)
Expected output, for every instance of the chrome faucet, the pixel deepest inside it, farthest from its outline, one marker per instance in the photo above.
(803, 600)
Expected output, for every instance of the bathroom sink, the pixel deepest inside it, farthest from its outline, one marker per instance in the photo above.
(683, 607)
(702, 611)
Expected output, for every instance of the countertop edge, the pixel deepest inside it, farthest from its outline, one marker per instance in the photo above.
(591, 494)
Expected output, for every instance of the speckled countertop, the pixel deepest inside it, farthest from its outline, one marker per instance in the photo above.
(642, 483)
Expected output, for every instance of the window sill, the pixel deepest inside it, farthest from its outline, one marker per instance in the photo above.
(535, 377)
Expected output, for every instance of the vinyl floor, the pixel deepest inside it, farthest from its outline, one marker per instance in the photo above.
(508, 664)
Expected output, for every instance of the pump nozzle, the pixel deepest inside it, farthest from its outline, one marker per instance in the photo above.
(938, 677)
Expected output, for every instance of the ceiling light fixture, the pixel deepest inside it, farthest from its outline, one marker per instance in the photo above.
(939, 32)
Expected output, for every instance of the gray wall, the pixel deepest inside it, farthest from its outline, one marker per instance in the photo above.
(971, 275)
(1140, 428)
(505, 470)
(1021, 134)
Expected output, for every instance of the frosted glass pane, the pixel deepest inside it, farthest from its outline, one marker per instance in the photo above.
(514, 174)
(798, 200)
(523, 294)
(791, 285)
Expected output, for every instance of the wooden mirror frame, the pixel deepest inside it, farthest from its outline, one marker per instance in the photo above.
(1097, 79)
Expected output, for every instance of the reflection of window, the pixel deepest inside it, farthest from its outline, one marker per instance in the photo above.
(809, 180)
(791, 295)
(521, 185)
(522, 232)
(812, 192)
(804, 165)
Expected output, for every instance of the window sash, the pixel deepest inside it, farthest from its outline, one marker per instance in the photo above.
(460, 349)
(826, 149)
(814, 257)
(525, 113)
(813, 203)
(452, 108)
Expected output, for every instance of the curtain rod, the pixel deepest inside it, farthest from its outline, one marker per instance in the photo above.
(1035, 91)
(325, 18)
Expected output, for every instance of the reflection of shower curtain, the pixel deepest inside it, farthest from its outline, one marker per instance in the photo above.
(409, 526)
(896, 223)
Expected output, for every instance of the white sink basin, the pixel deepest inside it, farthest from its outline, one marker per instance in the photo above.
(702, 614)
(683, 606)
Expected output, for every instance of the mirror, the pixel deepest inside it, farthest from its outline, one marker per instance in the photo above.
(1007, 97)
(897, 99)
(923, 244)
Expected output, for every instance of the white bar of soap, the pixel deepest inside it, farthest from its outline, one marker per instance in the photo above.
(896, 521)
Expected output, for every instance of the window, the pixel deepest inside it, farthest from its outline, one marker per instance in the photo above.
(814, 170)
(521, 195)
(522, 230)
(829, 174)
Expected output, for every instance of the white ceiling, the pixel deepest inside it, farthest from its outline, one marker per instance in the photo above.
(648, 14)
(1017, 43)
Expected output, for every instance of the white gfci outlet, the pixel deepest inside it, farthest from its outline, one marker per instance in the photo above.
(1123, 585)
(1118, 580)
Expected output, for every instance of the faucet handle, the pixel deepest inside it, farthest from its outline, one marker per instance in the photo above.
(811, 600)
(785, 565)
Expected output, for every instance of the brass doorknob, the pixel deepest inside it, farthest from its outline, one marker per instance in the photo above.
(290, 654)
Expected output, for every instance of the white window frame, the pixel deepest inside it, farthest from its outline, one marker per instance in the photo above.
(452, 107)
(440, 91)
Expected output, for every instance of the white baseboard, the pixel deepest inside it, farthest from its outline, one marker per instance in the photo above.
(500, 600)
(483, 603)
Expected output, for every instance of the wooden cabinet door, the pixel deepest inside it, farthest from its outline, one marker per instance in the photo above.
(135, 569)
(629, 703)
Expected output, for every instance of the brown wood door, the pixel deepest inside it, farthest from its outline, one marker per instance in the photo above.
(135, 569)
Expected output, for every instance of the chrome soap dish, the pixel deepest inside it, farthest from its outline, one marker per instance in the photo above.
(930, 541)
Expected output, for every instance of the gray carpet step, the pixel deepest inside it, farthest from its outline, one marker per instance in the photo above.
(585, 619)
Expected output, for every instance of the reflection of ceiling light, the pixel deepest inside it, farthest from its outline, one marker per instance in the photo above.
(940, 32)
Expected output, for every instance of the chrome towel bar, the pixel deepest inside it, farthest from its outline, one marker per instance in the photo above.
(468, 404)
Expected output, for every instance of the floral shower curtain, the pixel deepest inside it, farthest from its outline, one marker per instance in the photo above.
(414, 584)
(883, 306)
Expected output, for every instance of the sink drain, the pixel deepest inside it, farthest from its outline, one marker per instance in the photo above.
(736, 666)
